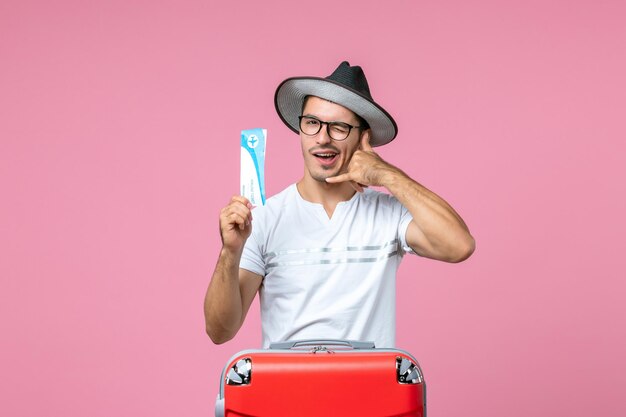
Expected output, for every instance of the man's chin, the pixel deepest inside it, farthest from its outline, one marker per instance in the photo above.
(321, 176)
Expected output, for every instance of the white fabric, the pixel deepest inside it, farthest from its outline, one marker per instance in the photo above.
(328, 278)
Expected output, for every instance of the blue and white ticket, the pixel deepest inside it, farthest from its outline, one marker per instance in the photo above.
(253, 165)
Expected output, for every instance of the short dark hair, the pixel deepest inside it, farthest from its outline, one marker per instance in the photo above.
(363, 125)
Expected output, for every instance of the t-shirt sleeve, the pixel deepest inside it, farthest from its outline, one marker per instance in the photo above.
(252, 256)
(405, 219)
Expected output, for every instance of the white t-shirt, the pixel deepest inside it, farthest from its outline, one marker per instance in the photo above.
(328, 278)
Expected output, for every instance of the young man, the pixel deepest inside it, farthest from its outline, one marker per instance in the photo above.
(323, 253)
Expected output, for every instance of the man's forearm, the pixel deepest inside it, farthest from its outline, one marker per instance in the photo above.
(222, 305)
(442, 232)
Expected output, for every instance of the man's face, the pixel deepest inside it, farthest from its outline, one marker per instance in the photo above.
(323, 156)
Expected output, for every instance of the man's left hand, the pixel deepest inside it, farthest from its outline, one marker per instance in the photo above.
(365, 168)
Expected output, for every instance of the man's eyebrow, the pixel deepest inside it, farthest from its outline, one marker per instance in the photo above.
(320, 120)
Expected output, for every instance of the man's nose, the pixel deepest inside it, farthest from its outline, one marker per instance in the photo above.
(322, 135)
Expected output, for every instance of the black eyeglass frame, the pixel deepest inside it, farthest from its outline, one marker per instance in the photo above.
(349, 126)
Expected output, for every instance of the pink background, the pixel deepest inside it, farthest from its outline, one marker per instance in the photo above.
(119, 129)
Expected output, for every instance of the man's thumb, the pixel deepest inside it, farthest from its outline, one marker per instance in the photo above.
(365, 142)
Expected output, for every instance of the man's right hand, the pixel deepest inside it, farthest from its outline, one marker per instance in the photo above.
(236, 223)
(232, 289)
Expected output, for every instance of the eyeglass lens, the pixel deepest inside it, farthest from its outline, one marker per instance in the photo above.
(336, 130)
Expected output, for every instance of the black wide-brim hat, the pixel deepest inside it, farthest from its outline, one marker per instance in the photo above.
(346, 86)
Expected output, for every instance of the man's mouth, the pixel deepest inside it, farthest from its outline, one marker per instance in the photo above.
(326, 157)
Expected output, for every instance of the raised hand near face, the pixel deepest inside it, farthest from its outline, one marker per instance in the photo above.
(366, 168)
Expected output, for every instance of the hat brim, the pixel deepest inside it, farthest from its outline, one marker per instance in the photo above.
(291, 93)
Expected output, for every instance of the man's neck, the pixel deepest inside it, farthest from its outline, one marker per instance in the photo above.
(328, 195)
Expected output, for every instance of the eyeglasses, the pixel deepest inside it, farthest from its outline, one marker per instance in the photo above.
(311, 126)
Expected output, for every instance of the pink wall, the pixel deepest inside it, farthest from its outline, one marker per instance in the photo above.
(119, 124)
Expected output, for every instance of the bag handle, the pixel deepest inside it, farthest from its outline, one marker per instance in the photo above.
(291, 344)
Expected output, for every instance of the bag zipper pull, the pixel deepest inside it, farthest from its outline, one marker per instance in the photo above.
(316, 349)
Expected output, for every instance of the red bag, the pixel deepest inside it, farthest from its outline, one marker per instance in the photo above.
(322, 378)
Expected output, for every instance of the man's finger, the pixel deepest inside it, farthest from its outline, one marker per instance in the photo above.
(358, 187)
(338, 178)
(365, 143)
(241, 199)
